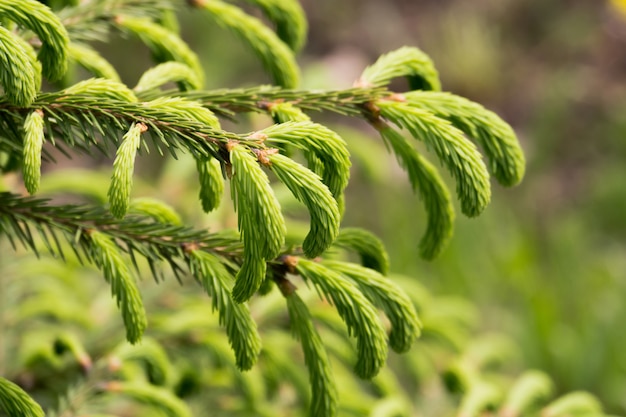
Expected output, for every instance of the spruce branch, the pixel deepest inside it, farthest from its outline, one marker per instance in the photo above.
(32, 15)
(496, 137)
(159, 398)
(101, 88)
(123, 170)
(15, 402)
(185, 109)
(289, 19)
(33, 144)
(21, 72)
(260, 99)
(282, 112)
(211, 183)
(407, 62)
(240, 327)
(355, 310)
(323, 390)
(92, 61)
(480, 398)
(22, 219)
(93, 20)
(260, 220)
(308, 188)
(327, 147)
(164, 44)
(275, 55)
(167, 72)
(386, 295)
(431, 188)
(151, 354)
(155, 209)
(458, 154)
(573, 403)
(107, 256)
(81, 117)
(369, 248)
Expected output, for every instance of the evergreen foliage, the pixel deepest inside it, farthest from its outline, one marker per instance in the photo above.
(195, 346)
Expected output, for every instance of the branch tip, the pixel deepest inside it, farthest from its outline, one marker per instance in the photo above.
(262, 155)
(290, 262)
(372, 113)
(231, 144)
(190, 247)
(258, 136)
(268, 105)
(396, 97)
(362, 83)
(142, 127)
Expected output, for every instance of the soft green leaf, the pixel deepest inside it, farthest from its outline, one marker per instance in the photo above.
(323, 390)
(123, 169)
(106, 255)
(15, 402)
(20, 73)
(324, 144)
(33, 144)
(92, 61)
(426, 181)
(386, 295)
(241, 329)
(289, 19)
(277, 59)
(369, 247)
(260, 220)
(356, 311)
(168, 72)
(407, 62)
(46, 25)
(165, 45)
(211, 183)
(457, 153)
(494, 135)
(308, 188)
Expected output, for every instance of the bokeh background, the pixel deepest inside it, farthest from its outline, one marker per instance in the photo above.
(546, 263)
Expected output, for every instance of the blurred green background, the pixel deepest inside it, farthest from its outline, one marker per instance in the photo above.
(546, 263)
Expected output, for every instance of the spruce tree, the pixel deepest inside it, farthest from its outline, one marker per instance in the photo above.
(328, 287)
